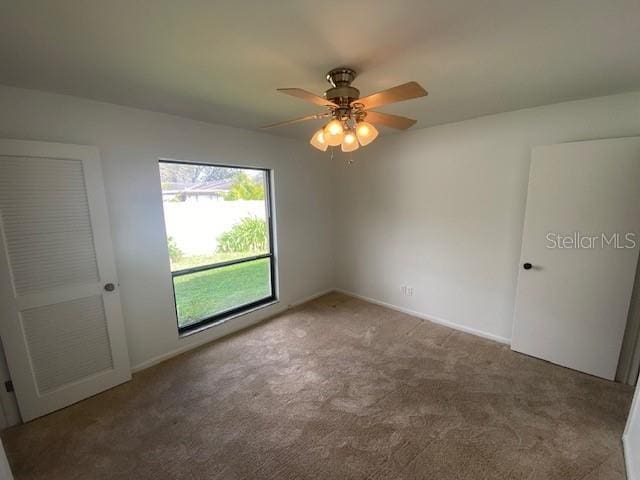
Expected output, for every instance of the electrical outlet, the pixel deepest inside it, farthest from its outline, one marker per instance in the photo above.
(410, 291)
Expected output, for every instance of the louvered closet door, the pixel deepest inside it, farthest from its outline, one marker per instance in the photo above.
(61, 321)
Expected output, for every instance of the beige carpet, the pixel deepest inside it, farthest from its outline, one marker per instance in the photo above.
(337, 389)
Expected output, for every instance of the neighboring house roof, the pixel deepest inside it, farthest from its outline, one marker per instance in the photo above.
(218, 186)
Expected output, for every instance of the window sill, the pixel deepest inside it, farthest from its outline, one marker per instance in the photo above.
(222, 321)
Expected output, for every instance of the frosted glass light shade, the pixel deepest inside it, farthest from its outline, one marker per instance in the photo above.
(334, 133)
(319, 141)
(350, 142)
(366, 133)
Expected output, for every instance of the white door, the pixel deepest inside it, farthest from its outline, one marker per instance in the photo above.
(580, 240)
(60, 318)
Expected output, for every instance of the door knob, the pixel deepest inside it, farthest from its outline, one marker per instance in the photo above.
(527, 266)
(109, 287)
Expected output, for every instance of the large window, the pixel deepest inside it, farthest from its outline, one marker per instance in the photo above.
(219, 234)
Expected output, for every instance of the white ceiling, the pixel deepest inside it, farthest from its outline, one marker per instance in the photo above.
(221, 60)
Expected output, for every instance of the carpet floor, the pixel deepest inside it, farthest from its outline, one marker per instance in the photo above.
(337, 388)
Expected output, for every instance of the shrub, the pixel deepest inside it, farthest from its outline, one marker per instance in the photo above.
(248, 235)
(175, 254)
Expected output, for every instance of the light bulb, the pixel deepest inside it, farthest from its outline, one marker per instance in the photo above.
(334, 127)
(350, 142)
(349, 138)
(319, 141)
(334, 133)
(366, 133)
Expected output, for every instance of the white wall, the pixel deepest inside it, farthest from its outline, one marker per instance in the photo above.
(441, 209)
(131, 141)
(631, 439)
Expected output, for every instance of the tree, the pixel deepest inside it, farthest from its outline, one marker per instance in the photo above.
(245, 188)
(193, 174)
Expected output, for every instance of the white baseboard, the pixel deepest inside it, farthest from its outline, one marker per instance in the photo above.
(226, 328)
(431, 318)
(311, 297)
(242, 323)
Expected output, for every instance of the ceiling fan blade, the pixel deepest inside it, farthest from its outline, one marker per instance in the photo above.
(297, 120)
(406, 91)
(388, 120)
(307, 96)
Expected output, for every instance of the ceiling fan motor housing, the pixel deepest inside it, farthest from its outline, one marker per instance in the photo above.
(342, 92)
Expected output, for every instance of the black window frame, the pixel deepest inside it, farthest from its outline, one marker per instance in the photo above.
(244, 308)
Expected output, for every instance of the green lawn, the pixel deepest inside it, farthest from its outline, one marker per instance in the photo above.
(203, 294)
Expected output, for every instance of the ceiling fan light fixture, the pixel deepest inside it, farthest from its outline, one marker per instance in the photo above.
(334, 133)
(366, 133)
(350, 142)
(319, 141)
(347, 111)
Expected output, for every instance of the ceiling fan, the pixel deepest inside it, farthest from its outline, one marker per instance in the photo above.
(351, 117)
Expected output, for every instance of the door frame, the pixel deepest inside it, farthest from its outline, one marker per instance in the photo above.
(629, 363)
(9, 413)
(5, 468)
(632, 420)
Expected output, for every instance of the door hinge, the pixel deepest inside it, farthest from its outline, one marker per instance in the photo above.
(8, 385)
